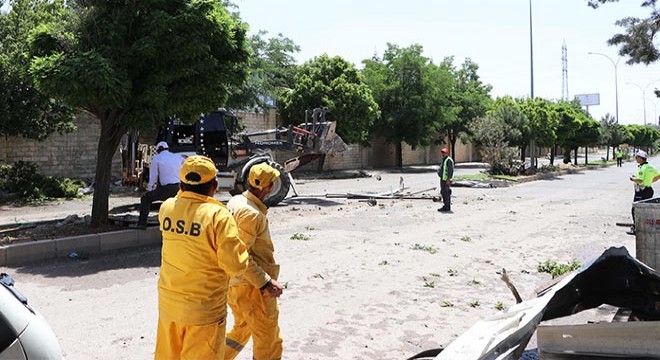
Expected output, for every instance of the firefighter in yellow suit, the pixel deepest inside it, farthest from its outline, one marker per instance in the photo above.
(201, 251)
(253, 295)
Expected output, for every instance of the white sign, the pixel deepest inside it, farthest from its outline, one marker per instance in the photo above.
(588, 99)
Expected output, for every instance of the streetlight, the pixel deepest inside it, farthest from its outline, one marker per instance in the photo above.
(616, 81)
(643, 95)
(532, 143)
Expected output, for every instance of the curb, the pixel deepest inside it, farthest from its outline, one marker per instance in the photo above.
(551, 175)
(22, 253)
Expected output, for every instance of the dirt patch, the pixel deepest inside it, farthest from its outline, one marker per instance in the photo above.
(71, 226)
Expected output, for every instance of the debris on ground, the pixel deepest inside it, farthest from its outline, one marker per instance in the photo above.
(615, 278)
(392, 194)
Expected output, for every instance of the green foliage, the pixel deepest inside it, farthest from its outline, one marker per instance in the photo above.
(473, 177)
(637, 42)
(429, 284)
(556, 269)
(489, 134)
(24, 110)
(499, 306)
(334, 83)
(272, 70)
(516, 124)
(474, 304)
(143, 61)
(641, 136)
(447, 303)
(133, 64)
(413, 95)
(543, 120)
(428, 248)
(612, 133)
(470, 96)
(300, 236)
(22, 178)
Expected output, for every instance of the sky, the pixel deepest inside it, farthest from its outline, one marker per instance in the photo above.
(494, 34)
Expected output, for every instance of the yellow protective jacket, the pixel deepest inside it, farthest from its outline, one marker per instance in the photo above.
(250, 215)
(201, 251)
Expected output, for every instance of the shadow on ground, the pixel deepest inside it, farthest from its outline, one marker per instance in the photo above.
(309, 200)
(142, 257)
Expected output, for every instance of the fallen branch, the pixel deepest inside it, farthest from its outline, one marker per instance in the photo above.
(508, 283)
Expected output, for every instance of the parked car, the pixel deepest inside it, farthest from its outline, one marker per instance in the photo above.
(24, 334)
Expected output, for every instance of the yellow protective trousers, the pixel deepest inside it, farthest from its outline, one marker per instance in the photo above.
(255, 316)
(189, 342)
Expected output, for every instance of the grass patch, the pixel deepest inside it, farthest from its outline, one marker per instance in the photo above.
(556, 269)
(428, 248)
(447, 303)
(472, 177)
(300, 236)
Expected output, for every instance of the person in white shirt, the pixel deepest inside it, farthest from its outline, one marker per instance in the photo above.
(164, 172)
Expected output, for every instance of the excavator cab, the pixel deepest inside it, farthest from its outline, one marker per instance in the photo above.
(208, 136)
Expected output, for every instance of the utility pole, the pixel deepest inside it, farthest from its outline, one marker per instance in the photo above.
(564, 72)
(532, 143)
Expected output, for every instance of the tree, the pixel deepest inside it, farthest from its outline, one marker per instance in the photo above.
(337, 84)
(24, 110)
(543, 120)
(642, 136)
(637, 42)
(489, 133)
(272, 70)
(132, 64)
(412, 93)
(470, 95)
(612, 134)
(518, 126)
(567, 128)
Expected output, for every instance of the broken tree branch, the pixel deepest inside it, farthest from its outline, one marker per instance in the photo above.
(508, 283)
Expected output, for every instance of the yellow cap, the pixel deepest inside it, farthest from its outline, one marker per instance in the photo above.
(262, 175)
(197, 170)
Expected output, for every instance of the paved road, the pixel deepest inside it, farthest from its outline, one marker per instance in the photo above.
(105, 308)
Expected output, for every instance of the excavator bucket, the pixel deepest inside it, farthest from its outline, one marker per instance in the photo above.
(331, 143)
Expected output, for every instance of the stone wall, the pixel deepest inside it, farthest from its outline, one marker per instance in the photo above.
(69, 155)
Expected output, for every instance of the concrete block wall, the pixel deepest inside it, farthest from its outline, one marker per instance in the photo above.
(257, 121)
(69, 155)
(74, 154)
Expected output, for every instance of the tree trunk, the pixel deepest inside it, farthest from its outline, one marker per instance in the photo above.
(576, 155)
(522, 153)
(607, 153)
(553, 151)
(586, 155)
(452, 141)
(111, 134)
(399, 155)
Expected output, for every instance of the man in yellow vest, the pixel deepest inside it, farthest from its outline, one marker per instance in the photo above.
(253, 295)
(643, 180)
(446, 172)
(201, 251)
(619, 157)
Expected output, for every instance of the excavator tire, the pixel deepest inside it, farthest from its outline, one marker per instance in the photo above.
(280, 187)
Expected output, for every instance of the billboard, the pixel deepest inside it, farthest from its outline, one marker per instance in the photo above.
(588, 99)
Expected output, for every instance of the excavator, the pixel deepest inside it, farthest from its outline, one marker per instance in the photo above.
(234, 152)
